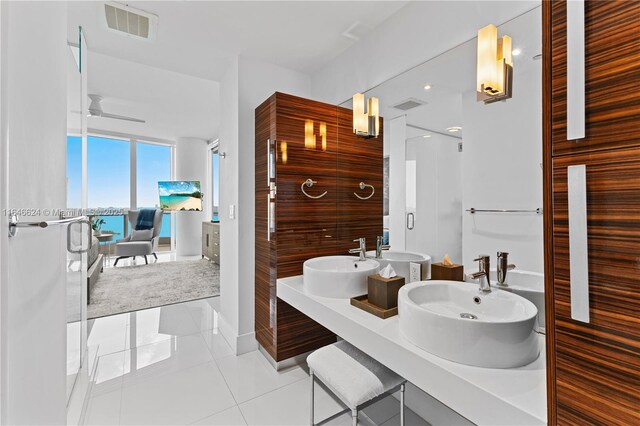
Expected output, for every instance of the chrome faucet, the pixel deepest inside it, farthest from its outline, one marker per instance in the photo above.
(380, 247)
(362, 250)
(484, 262)
(503, 268)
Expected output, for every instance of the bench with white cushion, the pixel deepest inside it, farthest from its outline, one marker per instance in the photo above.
(354, 377)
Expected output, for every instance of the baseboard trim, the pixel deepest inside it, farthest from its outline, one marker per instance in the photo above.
(298, 360)
(240, 344)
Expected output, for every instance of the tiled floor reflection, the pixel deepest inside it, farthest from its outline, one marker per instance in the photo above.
(169, 365)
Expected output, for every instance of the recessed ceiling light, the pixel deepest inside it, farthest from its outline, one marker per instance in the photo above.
(454, 129)
(427, 87)
(516, 52)
(426, 136)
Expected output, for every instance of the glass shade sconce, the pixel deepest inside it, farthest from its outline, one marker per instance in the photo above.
(310, 141)
(366, 124)
(494, 66)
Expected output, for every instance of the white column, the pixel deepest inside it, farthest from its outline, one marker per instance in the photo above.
(191, 164)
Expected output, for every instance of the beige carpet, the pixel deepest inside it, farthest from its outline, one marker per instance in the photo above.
(131, 288)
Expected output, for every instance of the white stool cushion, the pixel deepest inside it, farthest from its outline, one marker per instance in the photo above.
(355, 376)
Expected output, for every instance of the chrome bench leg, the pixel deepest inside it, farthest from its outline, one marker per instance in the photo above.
(354, 415)
(313, 380)
(402, 405)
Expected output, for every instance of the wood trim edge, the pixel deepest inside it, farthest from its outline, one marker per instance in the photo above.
(547, 152)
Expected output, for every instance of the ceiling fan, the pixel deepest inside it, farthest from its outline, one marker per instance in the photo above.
(95, 110)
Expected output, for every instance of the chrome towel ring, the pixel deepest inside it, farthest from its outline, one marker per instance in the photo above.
(363, 186)
(309, 183)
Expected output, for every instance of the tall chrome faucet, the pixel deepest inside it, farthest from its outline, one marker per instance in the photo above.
(503, 267)
(484, 263)
(380, 247)
(361, 250)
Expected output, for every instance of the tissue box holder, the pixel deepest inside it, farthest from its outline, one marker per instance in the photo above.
(383, 292)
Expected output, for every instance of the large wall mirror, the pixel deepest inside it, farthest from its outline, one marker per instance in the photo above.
(448, 153)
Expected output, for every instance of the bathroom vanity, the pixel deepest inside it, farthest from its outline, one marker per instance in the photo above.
(485, 396)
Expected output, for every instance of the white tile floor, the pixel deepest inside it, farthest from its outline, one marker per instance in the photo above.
(169, 365)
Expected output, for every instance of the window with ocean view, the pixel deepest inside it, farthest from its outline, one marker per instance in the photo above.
(109, 178)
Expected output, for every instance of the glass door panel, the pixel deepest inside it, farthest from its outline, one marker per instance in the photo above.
(76, 263)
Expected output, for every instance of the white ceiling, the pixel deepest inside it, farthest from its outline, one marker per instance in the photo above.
(171, 81)
(196, 38)
(174, 105)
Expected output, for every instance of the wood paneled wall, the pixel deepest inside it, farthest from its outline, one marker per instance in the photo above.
(594, 368)
(305, 227)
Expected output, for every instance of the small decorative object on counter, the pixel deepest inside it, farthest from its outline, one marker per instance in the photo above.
(447, 270)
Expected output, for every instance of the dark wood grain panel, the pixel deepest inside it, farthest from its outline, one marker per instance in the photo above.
(612, 39)
(598, 364)
(307, 227)
(298, 334)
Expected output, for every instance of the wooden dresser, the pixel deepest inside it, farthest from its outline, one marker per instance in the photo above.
(593, 362)
(211, 241)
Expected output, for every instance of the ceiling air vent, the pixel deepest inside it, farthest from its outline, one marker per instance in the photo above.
(408, 104)
(129, 21)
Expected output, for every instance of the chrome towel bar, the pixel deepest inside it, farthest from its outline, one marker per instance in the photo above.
(472, 211)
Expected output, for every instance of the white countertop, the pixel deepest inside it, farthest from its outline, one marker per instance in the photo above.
(485, 396)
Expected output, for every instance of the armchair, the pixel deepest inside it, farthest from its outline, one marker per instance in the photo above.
(126, 247)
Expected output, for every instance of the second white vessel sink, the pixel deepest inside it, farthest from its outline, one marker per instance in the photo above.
(453, 320)
(337, 276)
(529, 285)
(400, 261)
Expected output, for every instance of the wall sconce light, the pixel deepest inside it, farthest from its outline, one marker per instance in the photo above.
(495, 66)
(366, 124)
(283, 151)
(309, 136)
(323, 135)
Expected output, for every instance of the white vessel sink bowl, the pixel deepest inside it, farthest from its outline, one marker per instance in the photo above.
(400, 261)
(340, 277)
(453, 320)
(529, 285)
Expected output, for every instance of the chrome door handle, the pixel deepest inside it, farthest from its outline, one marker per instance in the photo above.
(578, 242)
(89, 244)
(14, 223)
(575, 70)
(411, 221)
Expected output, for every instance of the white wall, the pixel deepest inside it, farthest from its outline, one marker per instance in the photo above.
(33, 335)
(191, 164)
(247, 83)
(417, 32)
(502, 170)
